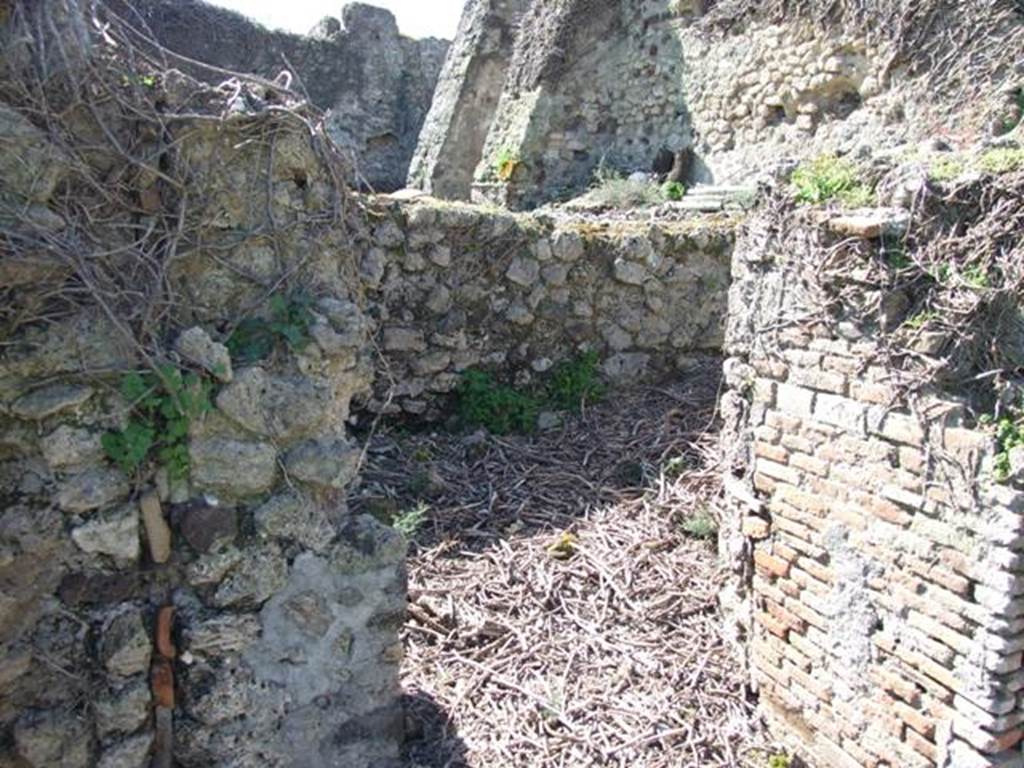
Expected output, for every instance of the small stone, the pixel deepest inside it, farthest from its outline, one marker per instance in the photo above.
(196, 346)
(441, 256)
(158, 533)
(52, 740)
(133, 753)
(209, 528)
(523, 272)
(212, 569)
(626, 366)
(630, 272)
(233, 468)
(123, 710)
(404, 340)
(892, 223)
(291, 517)
(68, 447)
(548, 420)
(366, 544)
(115, 534)
(92, 489)
(258, 576)
(274, 406)
(567, 246)
(125, 646)
(223, 635)
(48, 401)
(325, 463)
(373, 266)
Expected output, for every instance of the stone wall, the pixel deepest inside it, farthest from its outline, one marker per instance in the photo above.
(629, 85)
(452, 287)
(466, 99)
(215, 603)
(876, 588)
(376, 83)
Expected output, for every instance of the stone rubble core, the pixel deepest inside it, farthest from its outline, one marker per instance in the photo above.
(876, 565)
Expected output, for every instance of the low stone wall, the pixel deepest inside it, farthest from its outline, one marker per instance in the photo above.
(453, 287)
(876, 587)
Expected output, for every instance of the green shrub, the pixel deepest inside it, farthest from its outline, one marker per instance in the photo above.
(830, 178)
(626, 193)
(575, 382)
(255, 338)
(1009, 435)
(673, 190)
(484, 402)
(499, 408)
(163, 405)
(505, 164)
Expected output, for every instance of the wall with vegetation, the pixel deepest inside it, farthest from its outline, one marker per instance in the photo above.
(873, 515)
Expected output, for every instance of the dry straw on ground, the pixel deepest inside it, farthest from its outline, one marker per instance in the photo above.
(560, 615)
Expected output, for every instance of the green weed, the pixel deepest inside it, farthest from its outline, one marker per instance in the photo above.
(921, 319)
(164, 404)
(673, 190)
(1002, 160)
(779, 761)
(255, 337)
(1009, 431)
(575, 382)
(484, 402)
(410, 521)
(499, 408)
(830, 178)
(700, 526)
(506, 163)
(946, 168)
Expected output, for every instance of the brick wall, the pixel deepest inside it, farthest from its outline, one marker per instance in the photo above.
(878, 588)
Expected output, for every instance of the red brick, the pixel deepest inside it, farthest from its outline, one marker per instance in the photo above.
(773, 452)
(809, 464)
(919, 721)
(756, 527)
(771, 564)
(773, 625)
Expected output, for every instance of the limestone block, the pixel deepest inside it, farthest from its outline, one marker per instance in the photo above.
(52, 740)
(257, 576)
(92, 489)
(125, 647)
(132, 753)
(122, 710)
(291, 517)
(51, 400)
(69, 447)
(196, 346)
(232, 468)
(115, 534)
(324, 463)
(283, 408)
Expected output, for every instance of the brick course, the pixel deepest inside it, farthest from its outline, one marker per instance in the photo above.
(888, 570)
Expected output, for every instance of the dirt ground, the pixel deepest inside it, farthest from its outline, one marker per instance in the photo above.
(563, 589)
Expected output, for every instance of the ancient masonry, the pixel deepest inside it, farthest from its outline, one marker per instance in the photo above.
(238, 613)
(878, 586)
(375, 83)
(628, 86)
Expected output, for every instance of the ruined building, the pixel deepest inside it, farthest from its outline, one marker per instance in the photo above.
(204, 329)
(375, 83)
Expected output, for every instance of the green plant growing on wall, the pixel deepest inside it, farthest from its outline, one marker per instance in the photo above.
(499, 408)
(779, 761)
(1009, 430)
(163, 404)
(255, 337)
(505, 164)
(830, 178)
(575, 382)
(673, 190)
